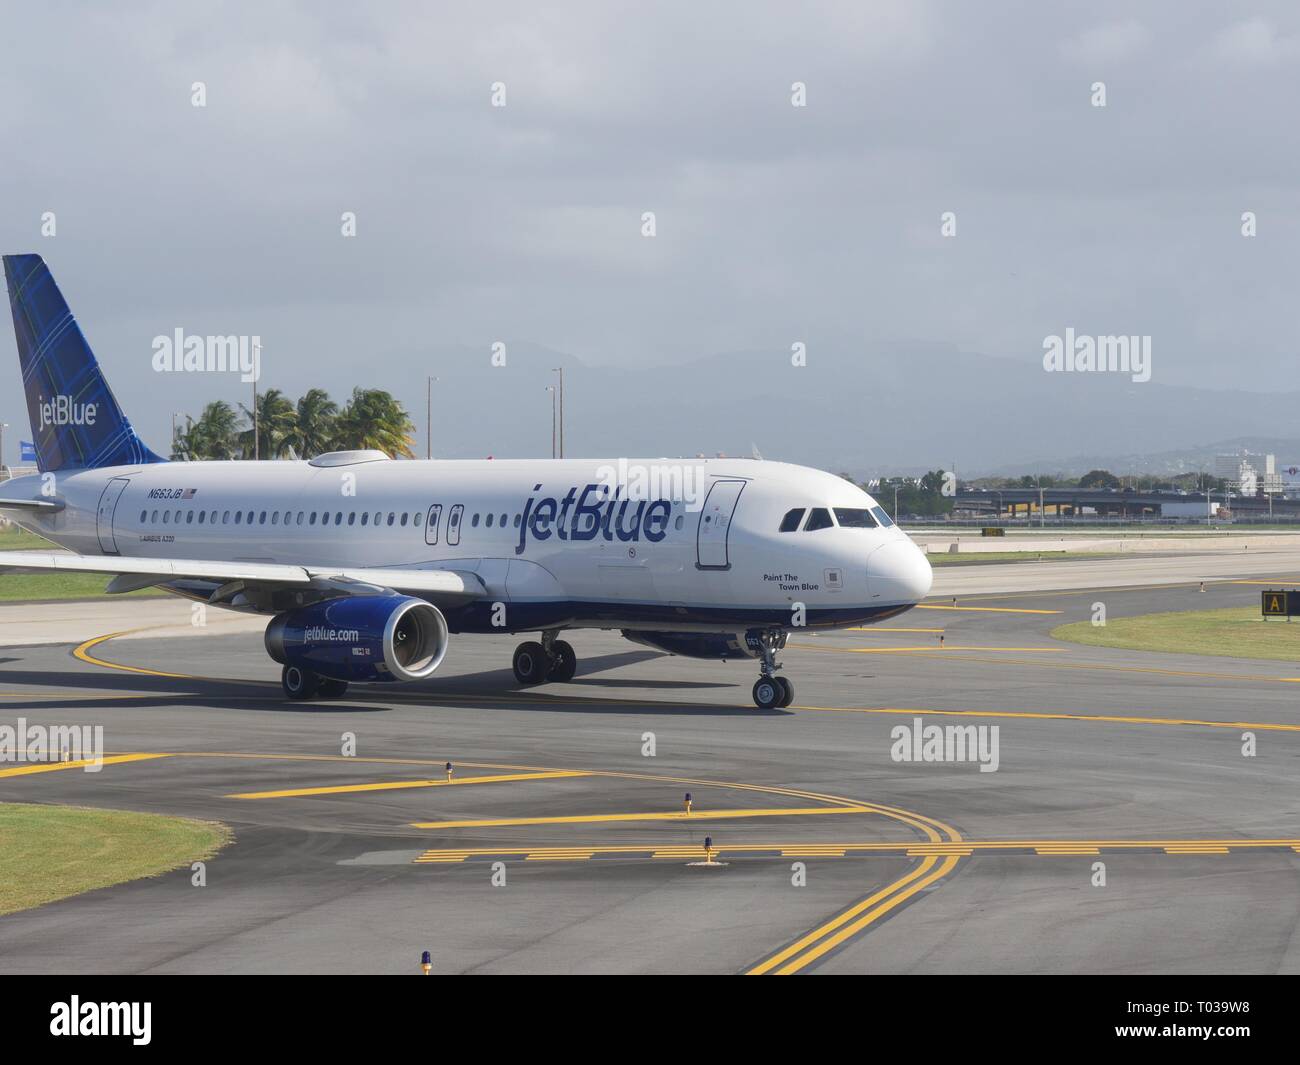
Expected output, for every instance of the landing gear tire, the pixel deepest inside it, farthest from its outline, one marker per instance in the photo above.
(768, 693)
(299, 683)
(564, 662)
(787, 691)
(332, 689)
(531, 664)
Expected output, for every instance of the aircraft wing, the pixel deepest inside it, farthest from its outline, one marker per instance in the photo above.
(436, 585)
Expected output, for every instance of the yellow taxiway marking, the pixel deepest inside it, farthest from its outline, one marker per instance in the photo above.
(82, 652)
(77, 696)
(883, 628)
(987, 609)
(965, 848)
(930, 648)
(397, 785)
(1111, 719)
(809, 947)
(680, 815)
(48, 767)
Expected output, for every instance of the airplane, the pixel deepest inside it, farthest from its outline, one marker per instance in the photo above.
(366, 566)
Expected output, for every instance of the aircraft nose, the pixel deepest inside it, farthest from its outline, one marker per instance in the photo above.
(898, 573)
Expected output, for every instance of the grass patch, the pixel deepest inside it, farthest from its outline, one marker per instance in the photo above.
(52, 852)
(1233, 632)
(945, 558)
(15, 539)
(27, 587)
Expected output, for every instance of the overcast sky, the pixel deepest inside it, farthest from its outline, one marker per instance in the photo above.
(774, 223)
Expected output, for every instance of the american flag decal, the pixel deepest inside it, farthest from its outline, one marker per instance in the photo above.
(188, 493)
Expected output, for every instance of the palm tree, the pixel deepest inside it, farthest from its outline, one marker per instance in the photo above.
(374, 419)
(275, 422)
(314, 427)
(215, 435)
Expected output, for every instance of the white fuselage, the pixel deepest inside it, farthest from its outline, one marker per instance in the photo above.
(696, 545)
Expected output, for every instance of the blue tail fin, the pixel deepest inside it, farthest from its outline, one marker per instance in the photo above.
(76, 422)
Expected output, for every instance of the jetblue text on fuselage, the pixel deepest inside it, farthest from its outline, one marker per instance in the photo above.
(591, 512)
(61, 410)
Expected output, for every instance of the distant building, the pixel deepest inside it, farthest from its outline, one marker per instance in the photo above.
(1251, 474)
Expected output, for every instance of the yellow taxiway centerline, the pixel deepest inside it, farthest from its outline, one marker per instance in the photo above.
(48, 767)
(987, 609)
(1111, 719)
(681, 815)
(808, 940)
(818, 849)
(830, 942)
(929, 648)
(82, 652)
(397, 785)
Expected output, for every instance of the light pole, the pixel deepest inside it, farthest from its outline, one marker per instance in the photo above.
(175, 414)
(428, 418)
(560, 370)
(551, 390)
(3, 427)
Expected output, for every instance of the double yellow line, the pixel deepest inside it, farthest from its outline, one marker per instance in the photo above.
(808, 948)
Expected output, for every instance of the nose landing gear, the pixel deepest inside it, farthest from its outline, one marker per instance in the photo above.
(771, 691)
(548, 660)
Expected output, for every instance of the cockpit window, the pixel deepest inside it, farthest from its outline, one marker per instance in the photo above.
(882, 517)
(854, 518)
(792, 519)
(818, 518)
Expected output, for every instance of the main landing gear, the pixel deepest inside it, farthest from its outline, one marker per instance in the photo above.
(301, 684)
(771, 691)
(548, 660)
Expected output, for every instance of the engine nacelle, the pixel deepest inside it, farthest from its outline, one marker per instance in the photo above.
(363, 637)
(694, 644)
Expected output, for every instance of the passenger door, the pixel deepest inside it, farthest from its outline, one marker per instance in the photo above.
(453, 524)
(715, 522)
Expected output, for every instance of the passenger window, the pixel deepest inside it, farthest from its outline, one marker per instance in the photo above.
(352, 517)
(882, 517)
(202, 514)
(490, 519)
(338, 518)
(225, 518)
(154, 519)
(416, 518)
(392, 517)
(143, 514)
(365, 517)
(403, 521)
(503, 521)
(300, 517)
(311, 518)
(791, 520)
(275, 518)
(239, 517)
(818, 518)
(854, 518)
(474, 522)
